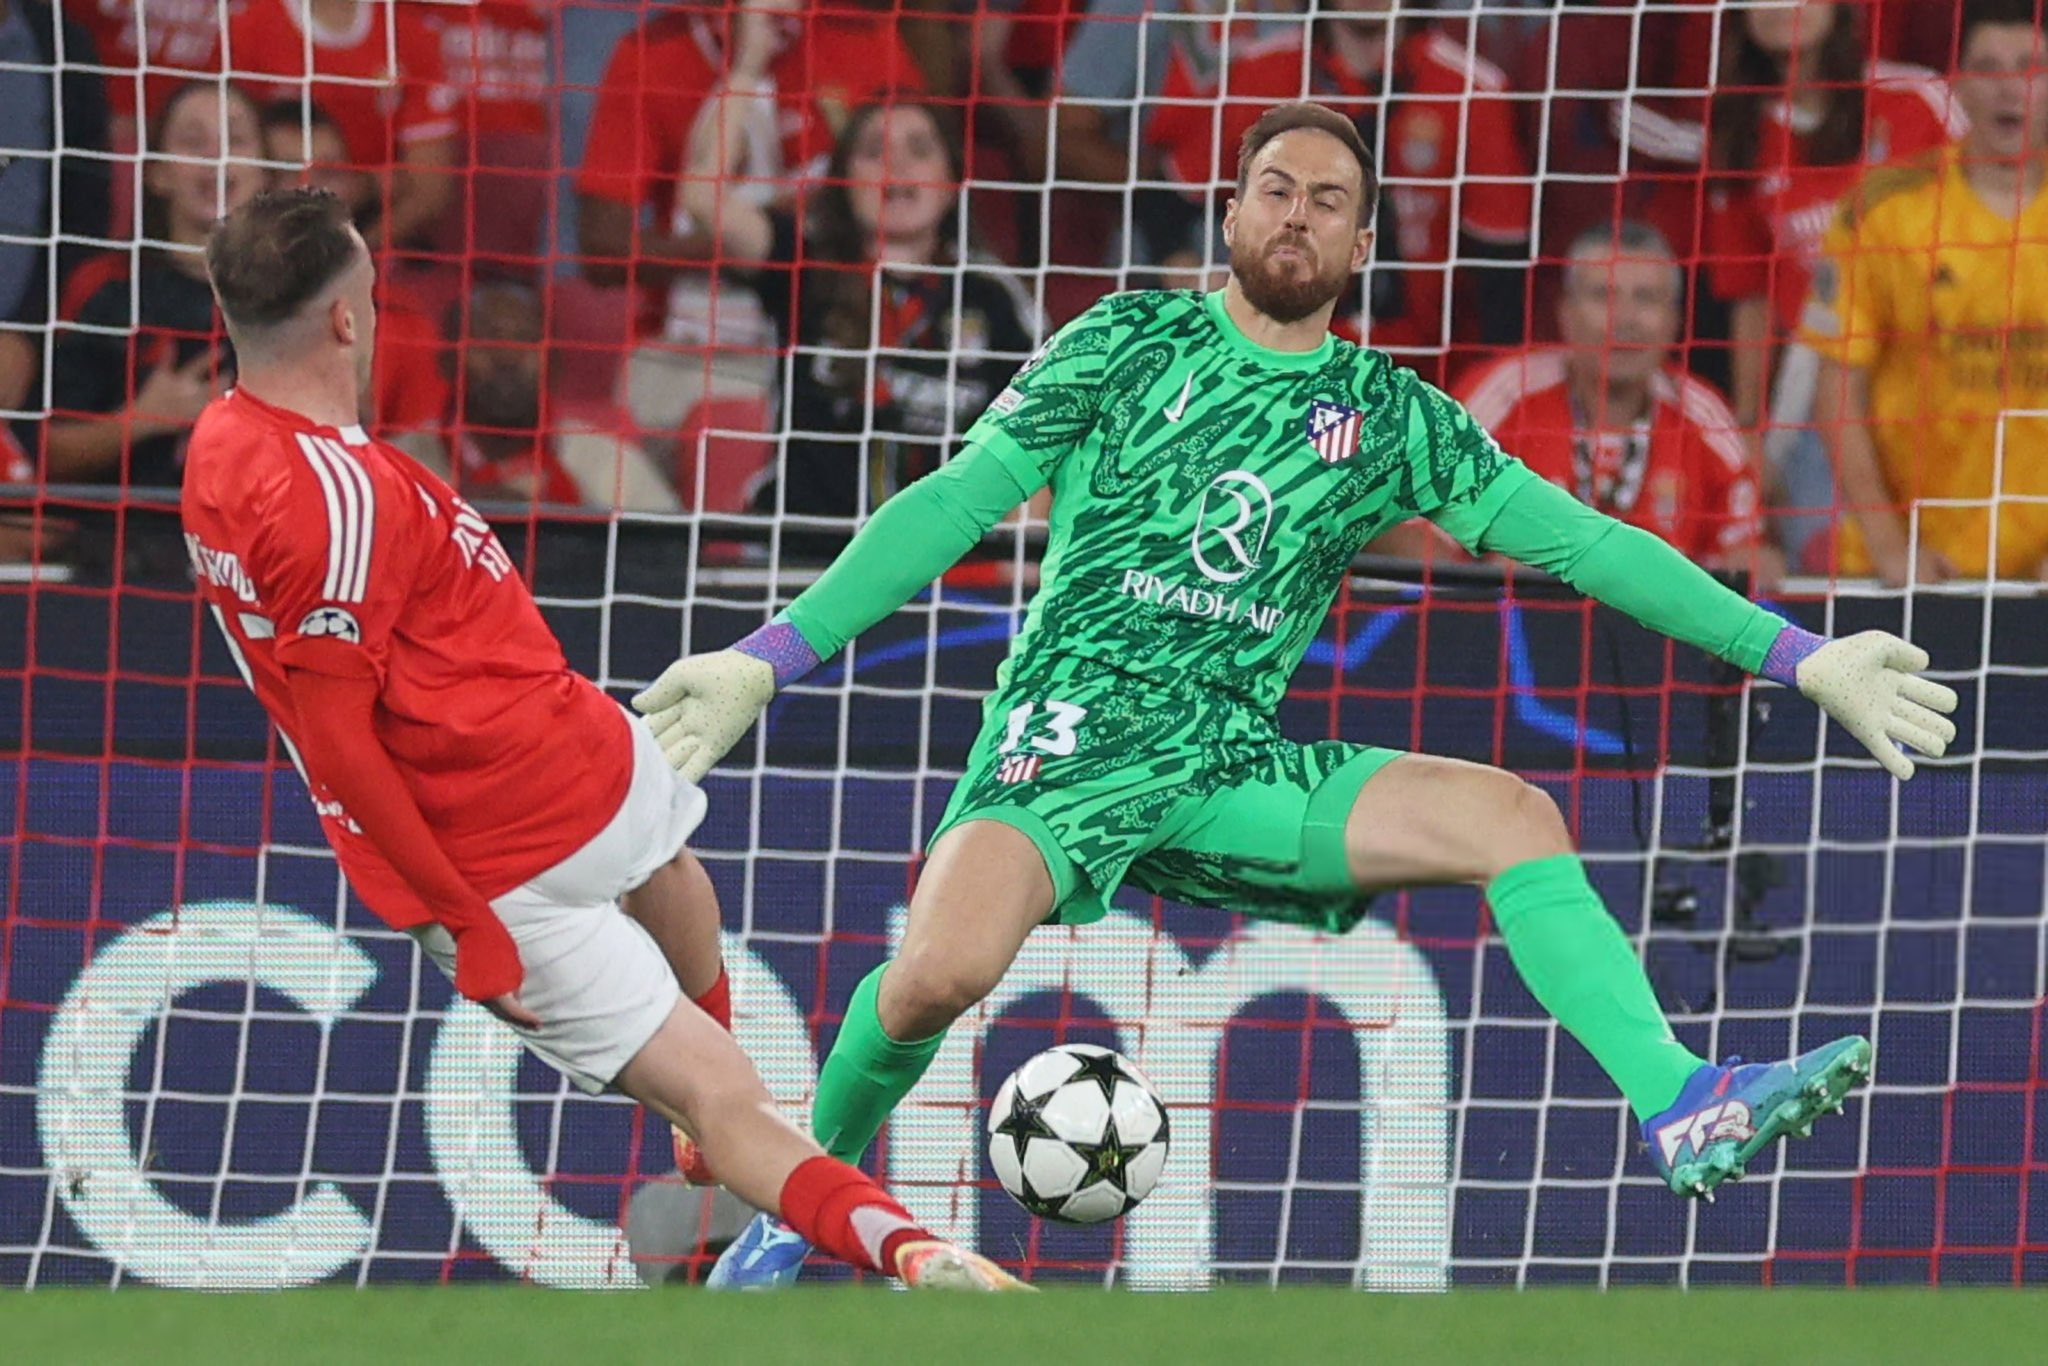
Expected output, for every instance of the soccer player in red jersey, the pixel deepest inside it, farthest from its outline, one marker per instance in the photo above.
(1610, 416)
(477, 793)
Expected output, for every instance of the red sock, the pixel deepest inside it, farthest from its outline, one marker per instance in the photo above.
(717, 1000)
(837, 1208)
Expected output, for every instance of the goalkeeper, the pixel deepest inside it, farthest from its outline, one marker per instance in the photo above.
(1215, 463)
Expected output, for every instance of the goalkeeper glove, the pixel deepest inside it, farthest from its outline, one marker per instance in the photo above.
(701, 706)
(1869, 682)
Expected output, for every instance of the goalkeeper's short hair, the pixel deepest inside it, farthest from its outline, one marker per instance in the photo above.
(1286, 118)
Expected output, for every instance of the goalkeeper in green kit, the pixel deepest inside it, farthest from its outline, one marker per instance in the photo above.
(1216, 461)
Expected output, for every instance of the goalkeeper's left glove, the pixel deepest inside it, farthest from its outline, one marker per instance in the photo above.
(701, 705)
(1870, 682)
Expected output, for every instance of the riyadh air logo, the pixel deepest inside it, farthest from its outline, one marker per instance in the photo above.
(1232, 525)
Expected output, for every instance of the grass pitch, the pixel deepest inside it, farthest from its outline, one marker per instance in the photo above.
(508, 1326)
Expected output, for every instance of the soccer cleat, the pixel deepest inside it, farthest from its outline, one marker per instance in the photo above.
(690, 1163)
(935, 1265)
(1728, 1114)
(768, 1255)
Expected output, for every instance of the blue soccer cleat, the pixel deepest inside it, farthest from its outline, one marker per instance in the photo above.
(1728, 1114)
(767, 1256)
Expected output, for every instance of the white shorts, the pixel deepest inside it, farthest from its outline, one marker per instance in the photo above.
(594, 976)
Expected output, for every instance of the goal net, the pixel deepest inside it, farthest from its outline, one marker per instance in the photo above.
(217, 1069)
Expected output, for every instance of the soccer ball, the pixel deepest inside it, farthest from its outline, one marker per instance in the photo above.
(1077, 1134)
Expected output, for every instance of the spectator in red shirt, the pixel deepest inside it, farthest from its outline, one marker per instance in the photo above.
(1609, 416)
(1801, 113)
(1016, 48)
(505, 445)
(632, 226)
(175, 39)
(1621, 130)
(499, 55)
(308, 149)
(376, 71)
(1458, 180)
(1114, 69)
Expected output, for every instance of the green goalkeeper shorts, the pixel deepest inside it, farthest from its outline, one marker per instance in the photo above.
(1200, 800)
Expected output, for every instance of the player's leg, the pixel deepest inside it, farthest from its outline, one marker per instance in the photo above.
(1423, 820)
(1360, 820)
(981, 894)
(678, 907)
(613, 1016)
(984, 889)
(694, 1074)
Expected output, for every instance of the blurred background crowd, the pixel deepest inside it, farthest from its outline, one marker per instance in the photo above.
(1768, 279)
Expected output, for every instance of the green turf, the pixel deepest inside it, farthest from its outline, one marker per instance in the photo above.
(1067, 1328)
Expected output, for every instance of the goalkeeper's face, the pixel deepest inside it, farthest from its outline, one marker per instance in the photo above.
(1294, 235)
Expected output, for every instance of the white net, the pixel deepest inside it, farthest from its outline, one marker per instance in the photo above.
(216, 1069)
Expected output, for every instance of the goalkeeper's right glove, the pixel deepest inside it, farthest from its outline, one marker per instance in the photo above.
(701, 706)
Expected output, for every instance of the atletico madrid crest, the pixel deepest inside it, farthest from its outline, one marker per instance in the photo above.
(1019, 768)
(1334, 431)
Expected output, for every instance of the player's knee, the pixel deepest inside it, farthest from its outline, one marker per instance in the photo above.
(922, 994)
(1530, 826)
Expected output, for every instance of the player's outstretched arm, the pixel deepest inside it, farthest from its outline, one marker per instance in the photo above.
(1871, 682)
(702, 704)
(336, 739)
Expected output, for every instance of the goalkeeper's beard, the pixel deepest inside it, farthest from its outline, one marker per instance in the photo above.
(1283, 290)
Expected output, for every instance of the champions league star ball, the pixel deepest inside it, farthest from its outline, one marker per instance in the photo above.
(1077, 1134)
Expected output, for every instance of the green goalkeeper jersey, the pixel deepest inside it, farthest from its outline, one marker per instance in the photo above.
(1208, 496)
(1209, 493)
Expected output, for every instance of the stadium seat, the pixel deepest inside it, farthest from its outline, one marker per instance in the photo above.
(718, 439)
(589, 330)
(995, 216)
(500, 223)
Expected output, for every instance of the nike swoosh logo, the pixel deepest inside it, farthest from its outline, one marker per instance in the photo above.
(1173, 414)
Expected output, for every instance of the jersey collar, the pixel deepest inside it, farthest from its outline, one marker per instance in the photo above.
(352, 435)
(1264, 355)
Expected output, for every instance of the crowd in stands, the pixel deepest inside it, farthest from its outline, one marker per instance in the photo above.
(1762, 277)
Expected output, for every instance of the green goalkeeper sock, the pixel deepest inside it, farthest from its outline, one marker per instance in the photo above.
(1583, 970)
(867, 1074)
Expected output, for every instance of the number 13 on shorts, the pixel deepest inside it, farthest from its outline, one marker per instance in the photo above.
(1056, 727)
